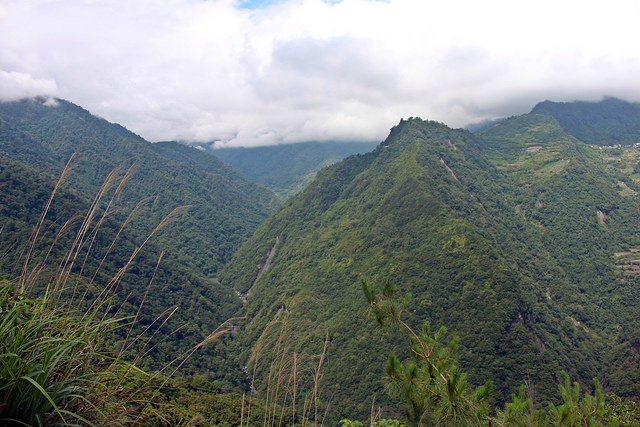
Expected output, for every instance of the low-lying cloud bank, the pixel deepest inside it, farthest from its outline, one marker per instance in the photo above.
(298, 70)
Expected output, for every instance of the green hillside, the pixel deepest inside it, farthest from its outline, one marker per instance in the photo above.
(226, 207)
(221, 209)
(286, 169)
(429, 212)
(580, 207)
(522, 239)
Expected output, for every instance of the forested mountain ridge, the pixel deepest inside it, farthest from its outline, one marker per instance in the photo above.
(521, 239)
(38, 137)
(608, 122)
(580, 208)
(226, 207)
(429, 211)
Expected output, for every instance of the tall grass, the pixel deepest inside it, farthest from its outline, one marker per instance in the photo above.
(54, 366)
(285, 359)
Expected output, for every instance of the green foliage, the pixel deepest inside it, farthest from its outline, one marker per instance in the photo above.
(577, 410)
(194, 401)
(620, 412)
(62, 358)
(183, 301)
(581, 219)
(225, 207)
(433, 387)
(507, 238)
(610, 121)
(521, 239)
(435, 392)
(422, 208)
(54, 368)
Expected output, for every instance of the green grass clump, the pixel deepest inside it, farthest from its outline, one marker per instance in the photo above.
(54, 365)
(53, 369)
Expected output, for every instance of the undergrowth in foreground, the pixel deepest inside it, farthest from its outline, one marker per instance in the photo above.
(56, 367)
(54, 370)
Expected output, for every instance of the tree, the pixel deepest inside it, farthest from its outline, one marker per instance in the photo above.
(436, 393)
(433, 387)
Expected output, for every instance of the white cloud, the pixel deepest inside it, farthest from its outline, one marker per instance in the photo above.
(15, 85)
(311, 69)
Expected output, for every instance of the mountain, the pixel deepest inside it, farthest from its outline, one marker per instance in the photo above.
(286, 169)
(434, 211)
(521, 239)
(225, 206)
(608, 122)
(221, 209)
(580, 204)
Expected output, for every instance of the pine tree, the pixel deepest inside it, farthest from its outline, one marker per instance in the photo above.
(433, 387)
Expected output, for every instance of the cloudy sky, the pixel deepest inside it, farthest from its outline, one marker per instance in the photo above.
(244, 72)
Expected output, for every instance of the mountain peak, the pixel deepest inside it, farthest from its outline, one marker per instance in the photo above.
(414, 123)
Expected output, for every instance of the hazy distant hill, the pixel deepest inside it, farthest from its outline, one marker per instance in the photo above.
(287, 169)
(608, 122)
(509, 239)
(37, 139)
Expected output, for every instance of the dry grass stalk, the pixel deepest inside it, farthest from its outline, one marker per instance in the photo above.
(31, 242)
(224, 328)
(286, 371)
(108, 389)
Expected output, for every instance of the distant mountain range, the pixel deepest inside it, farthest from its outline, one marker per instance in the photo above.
(286, 169)
(611, 121)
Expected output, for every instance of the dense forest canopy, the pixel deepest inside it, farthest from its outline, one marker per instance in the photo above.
(608, 122)
(511, 238)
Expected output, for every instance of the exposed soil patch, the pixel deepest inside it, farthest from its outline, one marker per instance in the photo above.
(448, 168)
(628, 261)
(554, 167)
(243, 297)
(524, 319)
(270, 255)
(631, 251)
(601, 217)
(264, 267)
(626, 191)
(578, 324)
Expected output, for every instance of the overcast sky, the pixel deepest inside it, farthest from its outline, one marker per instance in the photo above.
(262, 72)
